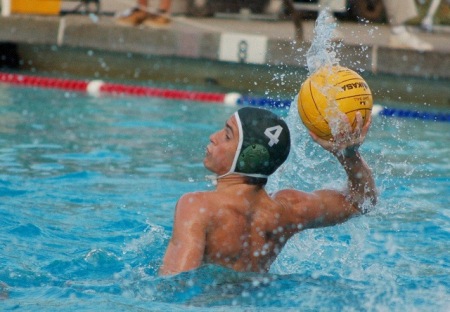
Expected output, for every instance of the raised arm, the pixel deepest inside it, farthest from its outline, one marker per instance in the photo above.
(187, 245)
(361, 191)
(328, 207)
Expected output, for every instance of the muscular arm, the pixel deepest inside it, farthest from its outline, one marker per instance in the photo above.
(328, 207)
(187, 245)
(361, 191)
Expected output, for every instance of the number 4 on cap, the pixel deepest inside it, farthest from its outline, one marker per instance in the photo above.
(273, 133)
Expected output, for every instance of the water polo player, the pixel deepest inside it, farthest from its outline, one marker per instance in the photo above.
(239, 225)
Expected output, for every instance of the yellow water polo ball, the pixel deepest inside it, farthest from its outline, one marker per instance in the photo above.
(329, 92)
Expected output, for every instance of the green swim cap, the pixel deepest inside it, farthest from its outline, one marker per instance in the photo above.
(264, 142)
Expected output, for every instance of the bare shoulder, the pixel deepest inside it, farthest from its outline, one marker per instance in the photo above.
(296, 205)
(193, 199)
(193, 205)
(291, 198)
(201, 204)
(315, 209)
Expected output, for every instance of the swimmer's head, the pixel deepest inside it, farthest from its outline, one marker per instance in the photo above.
(264, 143)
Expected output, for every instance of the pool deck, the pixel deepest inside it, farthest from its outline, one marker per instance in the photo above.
(221, 39)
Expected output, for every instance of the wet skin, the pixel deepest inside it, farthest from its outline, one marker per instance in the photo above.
(241, 226)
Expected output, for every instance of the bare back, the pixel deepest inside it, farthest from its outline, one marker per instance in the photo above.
(242, 227)
(242, 234)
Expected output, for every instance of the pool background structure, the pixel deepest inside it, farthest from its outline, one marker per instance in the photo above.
(89, 185)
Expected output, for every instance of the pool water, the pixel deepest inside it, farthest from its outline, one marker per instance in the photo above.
(88, 188)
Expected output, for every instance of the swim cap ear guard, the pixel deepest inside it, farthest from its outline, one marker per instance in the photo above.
(252, 156)
(264, 143)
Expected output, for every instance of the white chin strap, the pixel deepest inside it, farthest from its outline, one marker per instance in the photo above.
(215, 178)
(239, 147)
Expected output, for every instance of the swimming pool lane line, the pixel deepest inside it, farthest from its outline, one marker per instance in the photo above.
(99, 87)
(377, 110)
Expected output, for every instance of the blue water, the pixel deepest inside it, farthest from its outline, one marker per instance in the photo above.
(88, 188)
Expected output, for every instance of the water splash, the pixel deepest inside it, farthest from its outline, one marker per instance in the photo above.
(308, 163)
(323, 55)
(309, 167)
(323, 49)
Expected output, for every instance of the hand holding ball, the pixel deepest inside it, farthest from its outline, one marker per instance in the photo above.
(327, 94)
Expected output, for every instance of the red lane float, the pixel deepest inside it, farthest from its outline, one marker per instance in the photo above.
(98, 87)
(118, 89)
(43, 82)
